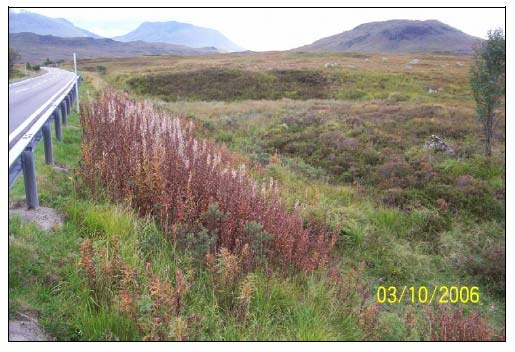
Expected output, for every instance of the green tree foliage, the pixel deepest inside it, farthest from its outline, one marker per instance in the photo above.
(487, 80)
(28, 66)
(13, 57)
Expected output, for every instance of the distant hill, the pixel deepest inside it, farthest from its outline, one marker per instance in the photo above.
(180, 33)
(398, 36)
(36, 48)
(32, 22)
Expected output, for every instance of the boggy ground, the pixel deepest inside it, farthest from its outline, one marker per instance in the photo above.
(346, 140)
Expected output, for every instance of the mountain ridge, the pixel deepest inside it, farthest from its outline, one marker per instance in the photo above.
(36, 48)
(26, 21)
(173, 32)
(397, 36)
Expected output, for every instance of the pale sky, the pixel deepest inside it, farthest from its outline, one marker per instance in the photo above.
(273, 29)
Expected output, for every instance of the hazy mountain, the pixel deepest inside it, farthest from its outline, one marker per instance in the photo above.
(398, 36)
(36, 48)
(32, 22)
(180, 33)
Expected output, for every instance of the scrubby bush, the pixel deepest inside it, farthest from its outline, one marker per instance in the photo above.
(101, 70)
(13, 57)
(467, 195)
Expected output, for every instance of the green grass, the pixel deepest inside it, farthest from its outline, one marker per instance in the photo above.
(45, 277)
(331, 158)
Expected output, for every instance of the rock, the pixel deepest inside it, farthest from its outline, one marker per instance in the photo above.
(438, 145)
(331, 65)
(61, 168)
(45, 218)
(432, 90)
(414, 62)
(459, 63)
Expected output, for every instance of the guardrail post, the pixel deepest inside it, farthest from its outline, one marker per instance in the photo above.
(76, 93)
(68, 104)
(64, 110)
(29, 178)
(47, 139)
(58, 129)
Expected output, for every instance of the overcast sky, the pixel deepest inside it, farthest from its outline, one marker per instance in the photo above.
(273, 29)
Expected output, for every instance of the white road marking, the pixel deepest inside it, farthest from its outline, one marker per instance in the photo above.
(21, 90)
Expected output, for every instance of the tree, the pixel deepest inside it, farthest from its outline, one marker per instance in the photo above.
(487, 81)
(13, 57)
(28, 66)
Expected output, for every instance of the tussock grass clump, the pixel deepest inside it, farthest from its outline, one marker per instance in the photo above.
(134, 153)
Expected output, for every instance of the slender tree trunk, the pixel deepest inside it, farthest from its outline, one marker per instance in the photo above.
(489, 132)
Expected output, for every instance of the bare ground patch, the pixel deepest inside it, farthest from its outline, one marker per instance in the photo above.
(45, 218)
(26, 328)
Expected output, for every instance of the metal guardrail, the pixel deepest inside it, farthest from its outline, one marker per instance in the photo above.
(24, 140)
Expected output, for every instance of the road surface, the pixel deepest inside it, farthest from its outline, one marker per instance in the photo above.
(27, 96)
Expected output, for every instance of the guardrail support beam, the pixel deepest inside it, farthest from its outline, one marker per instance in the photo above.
(57, 122)
(64, 112)
(47, 139)
(29, 178)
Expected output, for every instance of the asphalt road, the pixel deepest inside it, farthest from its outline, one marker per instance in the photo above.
(27, 96)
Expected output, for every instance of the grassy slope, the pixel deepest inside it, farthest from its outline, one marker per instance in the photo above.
(44, 276)
(282, 308)
(391, 118)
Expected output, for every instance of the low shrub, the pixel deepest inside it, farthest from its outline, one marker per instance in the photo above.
(446, 324)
